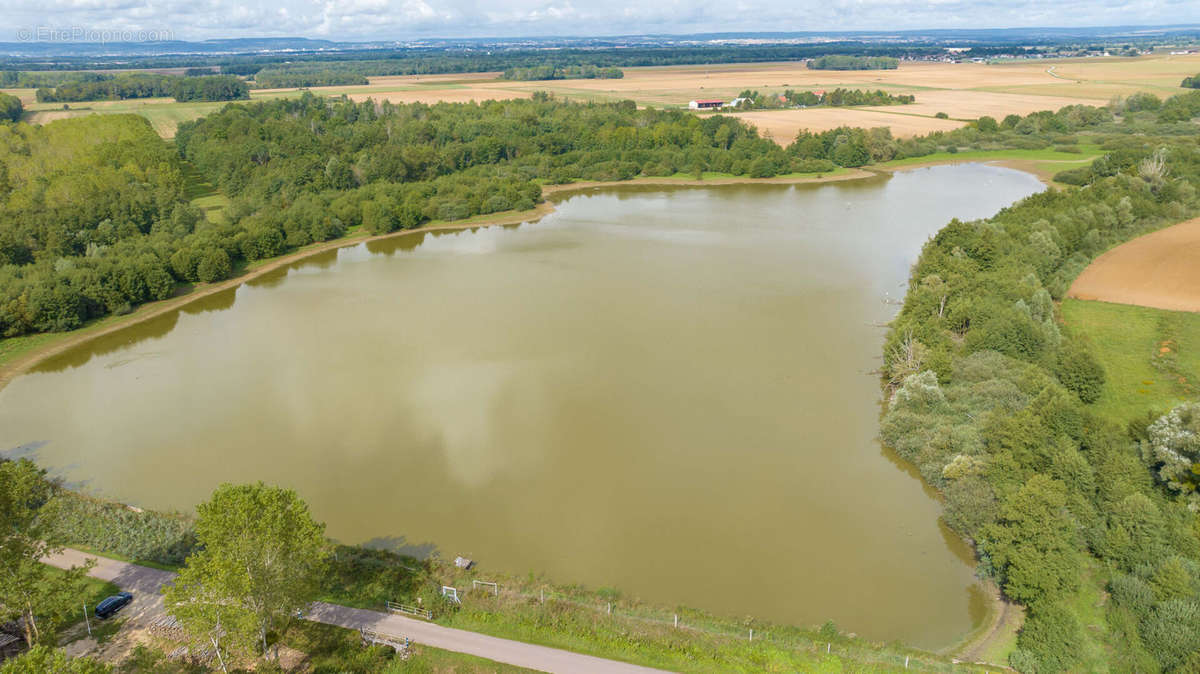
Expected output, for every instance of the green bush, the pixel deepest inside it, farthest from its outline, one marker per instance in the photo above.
(1080, 372)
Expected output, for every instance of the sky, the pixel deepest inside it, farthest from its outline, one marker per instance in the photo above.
(109, 20)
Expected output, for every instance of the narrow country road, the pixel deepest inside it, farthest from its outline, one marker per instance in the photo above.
(146, 584)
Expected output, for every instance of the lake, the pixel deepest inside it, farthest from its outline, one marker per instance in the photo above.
(666, 391)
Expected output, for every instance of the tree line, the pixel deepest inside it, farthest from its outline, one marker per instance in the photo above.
(1192, 82)
(753, 100)
(990, 398)
(147, 85)
(549, 72)
(850, 62)
(25, 79)
(300, 76)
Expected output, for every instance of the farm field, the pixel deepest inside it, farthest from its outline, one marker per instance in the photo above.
(964, 91)
(783, 125)
(1157, 270)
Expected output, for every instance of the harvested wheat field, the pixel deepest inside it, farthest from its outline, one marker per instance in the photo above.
(783, 125)
(964, 91)
(976, 104)
(1159, 270)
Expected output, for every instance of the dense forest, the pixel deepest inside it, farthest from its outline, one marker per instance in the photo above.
(847, 62)
(147, 85)
(83, 200)
(990, 397)
(584, 72)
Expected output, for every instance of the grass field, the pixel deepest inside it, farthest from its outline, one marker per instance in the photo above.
(1151, 357)
(963, 91)
(1086, 155)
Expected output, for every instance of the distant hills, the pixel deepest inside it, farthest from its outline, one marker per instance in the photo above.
(35, 48)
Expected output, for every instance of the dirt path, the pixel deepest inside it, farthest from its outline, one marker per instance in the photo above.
(1159, 270)
(146, 585)
(1003, 622)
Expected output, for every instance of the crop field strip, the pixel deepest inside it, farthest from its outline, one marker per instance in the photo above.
(962, 91)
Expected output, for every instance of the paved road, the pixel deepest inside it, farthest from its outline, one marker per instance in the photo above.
(145, 584)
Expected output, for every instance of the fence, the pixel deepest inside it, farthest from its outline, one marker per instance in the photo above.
(786, 638)
(373, 638)
(393, 607)
(476, 584)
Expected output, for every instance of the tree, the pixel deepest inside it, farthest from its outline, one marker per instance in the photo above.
(213, 266)
(1050, 640)
(10, 108)
(1175, 447)
(260, 557)
(210, 619)
(379, 216)
(987, 124)
(1033, 543)
(43, 597)
(1135, 531)
(1080, 372)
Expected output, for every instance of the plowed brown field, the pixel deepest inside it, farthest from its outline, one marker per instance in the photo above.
(1160, 270)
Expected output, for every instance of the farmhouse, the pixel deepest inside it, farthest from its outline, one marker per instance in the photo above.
(711, 104)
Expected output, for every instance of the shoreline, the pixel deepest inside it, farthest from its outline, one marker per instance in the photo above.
(36, 355)
(26, 361)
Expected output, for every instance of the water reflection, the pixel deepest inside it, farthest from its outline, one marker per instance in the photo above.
(661, 391)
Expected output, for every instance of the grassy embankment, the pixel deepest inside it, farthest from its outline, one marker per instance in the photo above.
(1086, 154)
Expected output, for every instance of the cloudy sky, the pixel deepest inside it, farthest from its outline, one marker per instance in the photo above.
(400, 19)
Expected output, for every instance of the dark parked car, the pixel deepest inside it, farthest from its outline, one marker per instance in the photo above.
(113, 604)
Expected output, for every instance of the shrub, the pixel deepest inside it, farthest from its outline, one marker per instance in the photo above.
(213, 266)
(1080, 372)
(1051, 639)
(987, 124)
